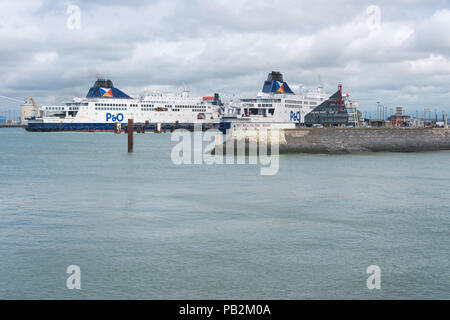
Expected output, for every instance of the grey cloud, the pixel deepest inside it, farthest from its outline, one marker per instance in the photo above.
(228, 47)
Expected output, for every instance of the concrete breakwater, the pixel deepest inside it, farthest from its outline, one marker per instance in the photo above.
(345, 140)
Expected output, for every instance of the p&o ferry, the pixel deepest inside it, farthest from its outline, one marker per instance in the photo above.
(277, 106)
(105, 106)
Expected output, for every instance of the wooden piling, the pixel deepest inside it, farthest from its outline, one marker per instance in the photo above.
(130, 135)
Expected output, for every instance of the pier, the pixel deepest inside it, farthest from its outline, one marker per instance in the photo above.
(348, 140)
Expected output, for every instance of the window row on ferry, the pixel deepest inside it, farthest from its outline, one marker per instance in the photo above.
(260, 100)
(110, 105)
(182, 106)
(301, 102)
(110, 108)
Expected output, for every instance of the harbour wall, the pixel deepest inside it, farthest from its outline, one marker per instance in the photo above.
(346, 140)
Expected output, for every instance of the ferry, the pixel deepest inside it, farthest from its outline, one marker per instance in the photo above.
(105, 106)
(277, 106)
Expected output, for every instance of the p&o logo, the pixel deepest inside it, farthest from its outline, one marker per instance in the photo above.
(295, 116)
(114, 117)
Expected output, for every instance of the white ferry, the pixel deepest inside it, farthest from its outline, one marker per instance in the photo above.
(276, 107)
(104, 106)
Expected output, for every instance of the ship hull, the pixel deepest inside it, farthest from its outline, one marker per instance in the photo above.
(109, 127)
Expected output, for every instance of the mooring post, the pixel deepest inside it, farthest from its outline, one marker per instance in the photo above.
(130, 135)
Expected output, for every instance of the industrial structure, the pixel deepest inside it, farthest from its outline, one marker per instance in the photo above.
(337, 111)
(399, 119)
(28, 110)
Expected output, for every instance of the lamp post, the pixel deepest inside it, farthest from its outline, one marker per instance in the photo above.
(378, 110)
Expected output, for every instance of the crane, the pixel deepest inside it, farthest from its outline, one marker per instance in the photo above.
(34, 104)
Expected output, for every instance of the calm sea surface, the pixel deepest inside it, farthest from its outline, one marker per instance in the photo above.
(142, 227)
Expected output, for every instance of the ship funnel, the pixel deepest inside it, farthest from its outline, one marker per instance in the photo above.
(104, 88)
(276, 84)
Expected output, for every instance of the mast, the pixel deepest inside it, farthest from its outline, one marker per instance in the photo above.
(339, 102)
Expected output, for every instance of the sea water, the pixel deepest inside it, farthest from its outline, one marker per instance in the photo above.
(141, 227)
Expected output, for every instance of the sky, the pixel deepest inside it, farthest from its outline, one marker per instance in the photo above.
(393, 52)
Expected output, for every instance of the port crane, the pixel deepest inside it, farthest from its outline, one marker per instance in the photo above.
(34, 105)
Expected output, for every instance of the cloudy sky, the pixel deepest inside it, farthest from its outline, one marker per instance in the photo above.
(395, 52)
